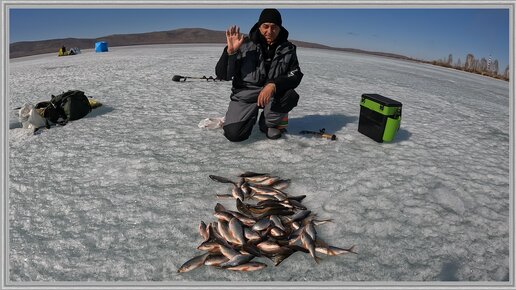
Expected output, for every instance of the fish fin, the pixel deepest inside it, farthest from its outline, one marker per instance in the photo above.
(317, 259)
(219, 207)
(204, 231)
(352, 250)
(221, 179)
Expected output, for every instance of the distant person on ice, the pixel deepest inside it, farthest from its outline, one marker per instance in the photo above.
(265, 72)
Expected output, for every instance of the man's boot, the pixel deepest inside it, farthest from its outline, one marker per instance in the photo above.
(273, 133)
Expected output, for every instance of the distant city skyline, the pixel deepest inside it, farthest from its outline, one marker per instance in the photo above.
(421, 33)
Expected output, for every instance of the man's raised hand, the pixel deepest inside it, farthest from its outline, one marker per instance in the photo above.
(234, 39)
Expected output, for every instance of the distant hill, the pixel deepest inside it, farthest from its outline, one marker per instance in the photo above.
(177, 36)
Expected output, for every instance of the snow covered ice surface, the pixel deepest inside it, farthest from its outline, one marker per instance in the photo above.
(118, 195)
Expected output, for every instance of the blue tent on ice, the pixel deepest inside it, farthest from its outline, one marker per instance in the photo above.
(101, 46)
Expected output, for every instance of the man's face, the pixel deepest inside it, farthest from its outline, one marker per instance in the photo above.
(270, 31)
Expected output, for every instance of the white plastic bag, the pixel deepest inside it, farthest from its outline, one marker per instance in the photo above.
(30, 118)
(24, 113)
(212, 123)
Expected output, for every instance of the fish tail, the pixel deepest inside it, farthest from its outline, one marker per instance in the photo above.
(221, 179)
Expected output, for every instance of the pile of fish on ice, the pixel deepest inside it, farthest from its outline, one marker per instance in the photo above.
(274, 226)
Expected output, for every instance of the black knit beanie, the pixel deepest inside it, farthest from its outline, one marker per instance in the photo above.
(270, 15)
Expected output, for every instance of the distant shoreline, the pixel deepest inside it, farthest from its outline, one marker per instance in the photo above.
(186, 36)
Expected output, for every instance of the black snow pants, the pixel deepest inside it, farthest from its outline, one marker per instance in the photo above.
(241, 116)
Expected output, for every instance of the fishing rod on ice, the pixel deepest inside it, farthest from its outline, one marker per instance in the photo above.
(178, 78)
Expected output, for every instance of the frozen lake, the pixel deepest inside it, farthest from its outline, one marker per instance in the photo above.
(118, 195)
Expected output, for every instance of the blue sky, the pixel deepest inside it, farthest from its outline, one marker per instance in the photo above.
(424, 33)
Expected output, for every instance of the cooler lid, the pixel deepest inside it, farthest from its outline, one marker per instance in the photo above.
(382, 100)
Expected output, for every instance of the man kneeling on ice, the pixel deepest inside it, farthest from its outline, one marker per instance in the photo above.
(265, 72)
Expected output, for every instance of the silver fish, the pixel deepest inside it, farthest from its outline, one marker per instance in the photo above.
(268, 247)
(223, 229)
(223, 216)
(295, 203)
(299, 216)
(299, 229)
(258, 210)
(226, 215)
(251, 235)
(281, 184)
(211, 227)
(237, 260)
(251, 174)
(282, 250)
(309, 244)
(277, 232)
(248, 221)
(261, 224)
(216, 235)
(210, 246)
(240, 182)
(275, 227)
(335, 251)
(284, 253)
(267, 190)
(277, 222)
(236, 230)
(242, 207)
(281, 196)
(294, 238)
(270, 180)
(278, 212)
(203, 231)
(193, 263)
(273, 203)
(251, 249)
(256, 179)
(251, 266)
(221, 179)
(237, 193)
(294, 225)
(310, 230)
(228, 252)
(262, 197)
(246, 190)
(215, 260)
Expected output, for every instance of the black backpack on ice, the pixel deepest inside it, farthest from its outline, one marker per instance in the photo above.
(68, 106)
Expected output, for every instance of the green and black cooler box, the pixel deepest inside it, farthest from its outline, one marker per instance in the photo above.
(380, 117)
